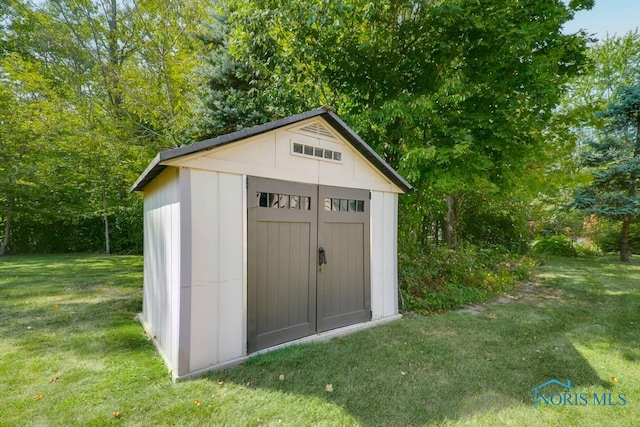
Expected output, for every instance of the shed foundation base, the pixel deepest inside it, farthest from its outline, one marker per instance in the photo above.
(323, 336)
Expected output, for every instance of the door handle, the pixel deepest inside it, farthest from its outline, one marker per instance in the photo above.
(322, 257)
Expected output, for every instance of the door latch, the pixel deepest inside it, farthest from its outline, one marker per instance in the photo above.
(322, 258)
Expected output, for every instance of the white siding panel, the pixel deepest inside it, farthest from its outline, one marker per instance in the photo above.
(204, 325)
(162, 262)
(384, 255)
(257, 150)
(377, 255)
(390, 235)
(205, 268)
(182, 327)
(210, 163)
(231, 267)
(174, 264)
(205, 220)
(217, 268)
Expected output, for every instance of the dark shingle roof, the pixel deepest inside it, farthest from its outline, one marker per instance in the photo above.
(156, 166)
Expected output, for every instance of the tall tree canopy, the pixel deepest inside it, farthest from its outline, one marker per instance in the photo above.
(456, 94)
(112, 84)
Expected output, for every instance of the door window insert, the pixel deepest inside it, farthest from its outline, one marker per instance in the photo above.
(343, 205)
(283, 201)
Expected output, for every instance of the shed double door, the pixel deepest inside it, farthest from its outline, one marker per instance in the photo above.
(308, 260)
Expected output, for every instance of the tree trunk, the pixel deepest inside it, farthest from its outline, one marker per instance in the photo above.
(7, 225)
(105, 213)
(451, 223)
(625, 255)
(115, 57)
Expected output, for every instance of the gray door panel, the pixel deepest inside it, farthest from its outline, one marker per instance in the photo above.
(282, 241)
(344, 292)
(289, 295)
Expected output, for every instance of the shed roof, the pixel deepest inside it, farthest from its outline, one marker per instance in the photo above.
(156, 166)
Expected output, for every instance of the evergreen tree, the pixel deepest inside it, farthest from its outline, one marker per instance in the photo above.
(613, 157)
(237, 89)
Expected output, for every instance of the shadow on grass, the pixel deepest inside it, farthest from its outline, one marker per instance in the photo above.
(423, 370)
(416, 371)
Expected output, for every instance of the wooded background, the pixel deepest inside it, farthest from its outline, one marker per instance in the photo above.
(487, 108)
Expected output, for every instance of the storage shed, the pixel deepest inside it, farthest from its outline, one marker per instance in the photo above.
(281, 233)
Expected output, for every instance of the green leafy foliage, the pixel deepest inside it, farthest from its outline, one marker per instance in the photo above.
(490, 221)
(584, 140)
(89, 92)
(587, 249)
(235, 91)
(417, 80)
(555, 245)
(455, 94)
(443, 279)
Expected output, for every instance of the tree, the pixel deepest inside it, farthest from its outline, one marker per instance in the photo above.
(35, 123)
(243, 82)
(612, 63)
(614, 161)
(456, 94)
(116, 76)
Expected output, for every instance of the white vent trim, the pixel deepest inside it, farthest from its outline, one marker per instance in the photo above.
(317, 129)
(314, 152)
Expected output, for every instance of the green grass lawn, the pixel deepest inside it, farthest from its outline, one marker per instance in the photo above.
(72, 354)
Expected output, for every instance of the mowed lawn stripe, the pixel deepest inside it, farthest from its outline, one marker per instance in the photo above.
(71, 353)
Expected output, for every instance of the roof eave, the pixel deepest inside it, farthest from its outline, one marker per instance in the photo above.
(156, 166)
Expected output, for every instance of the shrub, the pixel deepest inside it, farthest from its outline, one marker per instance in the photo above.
(587, 249)
(495, 229)
(554, 245)
(444, 279)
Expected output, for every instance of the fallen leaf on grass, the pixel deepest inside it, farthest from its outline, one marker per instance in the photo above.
(197, 402)
(614, 380)
(403, 373)
(55, 305)
(117, 414)
(329, 388)
(54, 380)
(38, 396)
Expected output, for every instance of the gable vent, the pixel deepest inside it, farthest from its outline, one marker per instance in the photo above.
(318, 129)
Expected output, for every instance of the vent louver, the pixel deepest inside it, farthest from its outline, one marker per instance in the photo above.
(318, 129)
